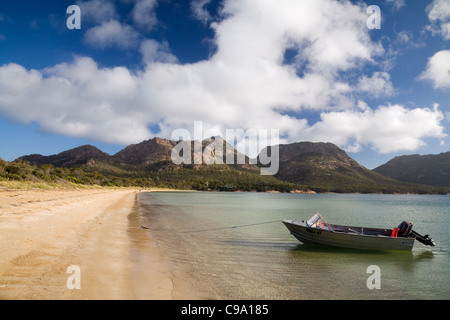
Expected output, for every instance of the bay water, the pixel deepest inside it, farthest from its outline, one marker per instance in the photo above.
(220, 245)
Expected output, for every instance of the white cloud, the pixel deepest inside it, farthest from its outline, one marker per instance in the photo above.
(144, 15)
(438, 70)
(378, 85)
(104, 30)
(199, 10)
(387, 129)
(404, 37)
(77, 100)
(153, 51)
(438, 10)
(112, 34)
(97, 11)
(245, 84)
(439, 15)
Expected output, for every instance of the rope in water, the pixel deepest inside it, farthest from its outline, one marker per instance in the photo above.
(232, 227)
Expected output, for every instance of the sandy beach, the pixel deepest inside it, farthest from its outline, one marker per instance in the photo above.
(51, 241)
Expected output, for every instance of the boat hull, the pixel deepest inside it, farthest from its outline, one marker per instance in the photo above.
(305, 234)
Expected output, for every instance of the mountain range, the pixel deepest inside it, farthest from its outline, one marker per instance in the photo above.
(307, 166)
(424, 169)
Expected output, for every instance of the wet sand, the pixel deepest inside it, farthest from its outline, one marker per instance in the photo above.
(44, 232)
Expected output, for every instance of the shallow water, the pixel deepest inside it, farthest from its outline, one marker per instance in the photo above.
(234, 246)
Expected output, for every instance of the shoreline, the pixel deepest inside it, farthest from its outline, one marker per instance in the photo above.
(44, 232)
(298, 192)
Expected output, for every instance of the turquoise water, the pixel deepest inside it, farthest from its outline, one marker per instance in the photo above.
(234, 246)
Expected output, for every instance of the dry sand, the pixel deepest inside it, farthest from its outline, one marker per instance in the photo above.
(44, 232)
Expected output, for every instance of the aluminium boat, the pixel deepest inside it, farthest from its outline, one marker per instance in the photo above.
(317, 231)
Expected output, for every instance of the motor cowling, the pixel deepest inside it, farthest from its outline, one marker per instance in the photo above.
(404, 229)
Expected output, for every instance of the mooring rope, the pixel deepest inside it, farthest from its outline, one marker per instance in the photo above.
(232, 227)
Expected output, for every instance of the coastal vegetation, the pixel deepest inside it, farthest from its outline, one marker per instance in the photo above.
(210, 178)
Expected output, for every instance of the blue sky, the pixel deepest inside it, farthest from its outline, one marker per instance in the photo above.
(143, 68)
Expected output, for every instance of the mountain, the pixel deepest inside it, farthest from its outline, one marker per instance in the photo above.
(320, 167)
(146, 152)
(158, 150)
(70, 158)
(150, 164)
(424, 169)
(324, 167)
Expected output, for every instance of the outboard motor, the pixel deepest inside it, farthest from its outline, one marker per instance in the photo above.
(405, 230)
